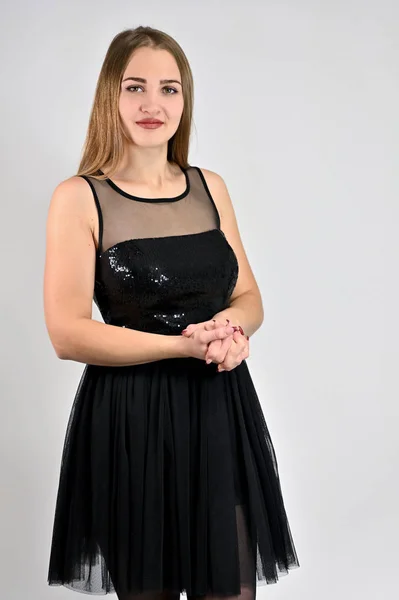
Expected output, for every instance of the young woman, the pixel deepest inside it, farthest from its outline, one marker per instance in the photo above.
(169, 481)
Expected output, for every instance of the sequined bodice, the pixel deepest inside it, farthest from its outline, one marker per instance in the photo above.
(162, 263)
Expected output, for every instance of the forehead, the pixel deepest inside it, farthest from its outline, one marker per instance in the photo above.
(152, 63)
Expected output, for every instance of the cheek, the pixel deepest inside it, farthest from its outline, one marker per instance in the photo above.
(126, 104)
(176, 109)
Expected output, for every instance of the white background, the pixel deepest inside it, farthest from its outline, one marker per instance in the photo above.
(296, 106)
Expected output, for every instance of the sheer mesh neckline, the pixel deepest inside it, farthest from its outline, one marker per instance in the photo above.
(141, 199)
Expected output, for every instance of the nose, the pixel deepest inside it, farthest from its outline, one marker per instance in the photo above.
(150, 102)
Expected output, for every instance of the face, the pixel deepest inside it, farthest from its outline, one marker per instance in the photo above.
(151, 98)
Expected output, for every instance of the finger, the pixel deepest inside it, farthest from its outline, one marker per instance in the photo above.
(233, 356)
(193, 326)
(220, 322)
(225, 346)
(214, 324)
(241, 341)
(217, 350)
(245, 353)
(213, 349)
(239, 345)
(216, 334)
(245, 350)
(187, 331)
(209, 325)
(231, 362)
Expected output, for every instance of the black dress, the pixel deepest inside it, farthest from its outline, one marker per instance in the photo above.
(169, 479)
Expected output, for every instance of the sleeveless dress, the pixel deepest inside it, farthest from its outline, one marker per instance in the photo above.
(169, 479)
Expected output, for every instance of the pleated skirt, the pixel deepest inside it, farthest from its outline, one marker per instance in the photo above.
(168, 482)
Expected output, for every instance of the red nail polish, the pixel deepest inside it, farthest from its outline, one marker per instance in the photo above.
(247, 336)
(241, 330)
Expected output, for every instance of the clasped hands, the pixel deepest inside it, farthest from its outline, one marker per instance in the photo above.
(228, 352)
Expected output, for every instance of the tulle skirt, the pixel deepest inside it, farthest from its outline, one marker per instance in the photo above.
(168, 482)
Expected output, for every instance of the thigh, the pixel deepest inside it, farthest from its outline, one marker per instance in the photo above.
(248, 592)
(148, 596)
(247, 563)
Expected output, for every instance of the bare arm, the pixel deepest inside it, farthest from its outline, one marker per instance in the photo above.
(69, 285)
(246, 306)
(90, 341)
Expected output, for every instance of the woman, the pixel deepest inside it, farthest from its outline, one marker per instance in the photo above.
(169, 482)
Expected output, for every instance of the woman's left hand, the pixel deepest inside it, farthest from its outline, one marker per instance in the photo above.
(227, 353)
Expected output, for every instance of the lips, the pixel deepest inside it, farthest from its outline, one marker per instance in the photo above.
(149, 122)
(150, 125)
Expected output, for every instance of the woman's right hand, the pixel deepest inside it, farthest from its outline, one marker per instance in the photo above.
(196, 345)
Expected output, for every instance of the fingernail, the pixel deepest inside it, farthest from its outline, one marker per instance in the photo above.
(247, 336)
(184, 330)
(208, 361)
(241, 330)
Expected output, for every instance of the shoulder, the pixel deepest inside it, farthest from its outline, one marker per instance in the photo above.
(218, 190)
(73, 197)
(212, 178)
(73, 191)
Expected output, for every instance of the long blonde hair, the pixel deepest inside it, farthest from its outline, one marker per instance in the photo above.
(104, 143)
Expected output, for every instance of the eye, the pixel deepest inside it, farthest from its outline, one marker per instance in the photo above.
(132, 87)
(135, 87)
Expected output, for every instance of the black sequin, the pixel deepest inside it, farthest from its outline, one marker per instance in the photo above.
(160, 285)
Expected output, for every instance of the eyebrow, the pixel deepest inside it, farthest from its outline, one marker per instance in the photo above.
(142, 80)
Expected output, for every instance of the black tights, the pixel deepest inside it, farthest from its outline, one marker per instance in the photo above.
(247, 593)
(247, 569)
